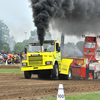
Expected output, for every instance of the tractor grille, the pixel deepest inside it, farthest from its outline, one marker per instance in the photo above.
(35, 60)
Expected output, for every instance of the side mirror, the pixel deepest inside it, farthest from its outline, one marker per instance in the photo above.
(25, 50)
(58, 49)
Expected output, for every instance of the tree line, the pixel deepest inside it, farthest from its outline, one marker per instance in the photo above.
(7, 42)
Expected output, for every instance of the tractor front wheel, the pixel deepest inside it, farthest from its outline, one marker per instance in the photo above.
(55, 71)
(27, 74)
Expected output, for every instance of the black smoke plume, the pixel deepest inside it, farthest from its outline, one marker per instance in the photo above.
(73, 17)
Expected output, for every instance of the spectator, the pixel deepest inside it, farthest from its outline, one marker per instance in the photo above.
(1, 57)
(13, 59)
(5, 57)
(21, 57)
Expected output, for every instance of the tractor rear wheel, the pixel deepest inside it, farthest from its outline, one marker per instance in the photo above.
(27, 74)
(69, 76)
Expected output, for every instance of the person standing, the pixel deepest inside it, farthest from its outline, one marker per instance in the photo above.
(13, 59)
(1, 58)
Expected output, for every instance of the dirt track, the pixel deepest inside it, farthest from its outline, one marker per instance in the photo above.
(14, 86)
(9, 66)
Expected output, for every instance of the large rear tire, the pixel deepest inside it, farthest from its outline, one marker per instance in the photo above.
(27, 74)
(55, 71)
(69, 76)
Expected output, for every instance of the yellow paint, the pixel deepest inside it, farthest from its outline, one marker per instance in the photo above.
(36, 68)
(39, 61)
(65, 64)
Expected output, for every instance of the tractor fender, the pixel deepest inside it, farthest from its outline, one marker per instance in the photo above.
(65, 65)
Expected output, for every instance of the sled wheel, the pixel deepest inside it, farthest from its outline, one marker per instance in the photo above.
(97, 75)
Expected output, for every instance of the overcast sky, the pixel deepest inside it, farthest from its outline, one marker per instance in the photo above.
(17, 15)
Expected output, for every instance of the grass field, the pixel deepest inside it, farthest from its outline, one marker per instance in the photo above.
(91, 96)
(10, 71)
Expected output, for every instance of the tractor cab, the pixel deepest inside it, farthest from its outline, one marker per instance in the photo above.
(90, 48)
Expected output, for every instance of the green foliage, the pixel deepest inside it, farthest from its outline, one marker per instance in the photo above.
(6, 47)
(19, 47)
(4, 37)
(4, 32)
(91, 96)
(10, 71)
(25, 42)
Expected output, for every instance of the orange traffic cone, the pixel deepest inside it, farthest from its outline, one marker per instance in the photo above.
(90, 76)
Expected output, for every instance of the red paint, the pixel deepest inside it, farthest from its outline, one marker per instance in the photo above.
(90, 76)
(92, 51)
(79, 72)
(90, 39)
(89, 52)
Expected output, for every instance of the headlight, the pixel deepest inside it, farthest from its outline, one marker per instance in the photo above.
(24, 64)
(49, 62)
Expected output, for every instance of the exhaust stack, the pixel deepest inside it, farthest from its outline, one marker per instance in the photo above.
(42, 49)
(62, 44)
